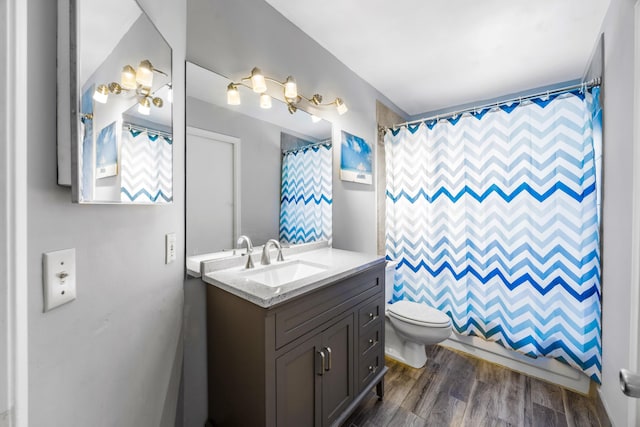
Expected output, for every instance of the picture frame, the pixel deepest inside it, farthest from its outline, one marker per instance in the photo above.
(356, 159)
(107, 151)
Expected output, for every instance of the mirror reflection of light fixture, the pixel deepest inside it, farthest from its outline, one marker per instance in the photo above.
(257, 82)
(265, 101)
(140, 81)
(144, 106)
(290, 88)
(144, 73)
(128, 78)
(340, 106)
(233, 96)
(101, 94)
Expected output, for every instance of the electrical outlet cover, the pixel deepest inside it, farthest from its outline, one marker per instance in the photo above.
(59, 277)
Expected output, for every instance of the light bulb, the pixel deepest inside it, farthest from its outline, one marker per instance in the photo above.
(128, 78)
(101, 94)
(144, 75)
(290, 88)
(233, 96)
(341, 107)
(144, 107)
(265, 101)
(258, 83)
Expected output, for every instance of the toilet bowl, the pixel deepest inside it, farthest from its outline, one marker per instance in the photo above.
(409, 326)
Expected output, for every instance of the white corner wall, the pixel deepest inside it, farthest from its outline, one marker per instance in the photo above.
(618, 28)
(112, 357)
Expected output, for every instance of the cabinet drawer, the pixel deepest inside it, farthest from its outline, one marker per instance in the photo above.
(369, 341)
(370, 313)
(311, 311)
(369, 367)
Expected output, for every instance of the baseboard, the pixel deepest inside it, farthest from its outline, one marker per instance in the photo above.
(601, 410)
(544, 368)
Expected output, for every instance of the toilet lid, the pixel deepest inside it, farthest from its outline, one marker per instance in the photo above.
(414, 312)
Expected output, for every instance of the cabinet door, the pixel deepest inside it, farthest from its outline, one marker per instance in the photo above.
(298, 385)
(338, 377)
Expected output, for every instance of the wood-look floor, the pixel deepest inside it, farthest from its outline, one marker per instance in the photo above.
(455, 389)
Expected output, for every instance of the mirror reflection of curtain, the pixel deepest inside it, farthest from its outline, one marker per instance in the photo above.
(146, 166)
(306, 195)
(493, 218)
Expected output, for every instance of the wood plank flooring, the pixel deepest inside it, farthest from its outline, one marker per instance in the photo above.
(455, 389)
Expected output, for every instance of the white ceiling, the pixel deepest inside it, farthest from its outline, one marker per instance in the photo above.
(429, 55)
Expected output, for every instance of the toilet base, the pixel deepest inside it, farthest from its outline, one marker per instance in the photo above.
(407, 352)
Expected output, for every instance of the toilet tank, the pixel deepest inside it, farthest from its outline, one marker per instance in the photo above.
(390, 271)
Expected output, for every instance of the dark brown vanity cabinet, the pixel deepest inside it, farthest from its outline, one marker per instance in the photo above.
(305, 362)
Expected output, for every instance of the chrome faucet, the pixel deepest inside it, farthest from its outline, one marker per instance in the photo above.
(266, 258)
(247, 240)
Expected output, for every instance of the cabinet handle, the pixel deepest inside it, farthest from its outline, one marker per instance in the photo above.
(372, 342)
(373, 368)
(370, 315)
(322, 358)
(328, 367)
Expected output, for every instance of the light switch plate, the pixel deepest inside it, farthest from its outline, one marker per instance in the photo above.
(170, 248)
(59, 277)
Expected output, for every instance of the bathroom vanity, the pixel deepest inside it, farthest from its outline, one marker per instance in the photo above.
(301, 353)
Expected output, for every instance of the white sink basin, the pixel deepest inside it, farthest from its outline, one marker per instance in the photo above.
(283, 273)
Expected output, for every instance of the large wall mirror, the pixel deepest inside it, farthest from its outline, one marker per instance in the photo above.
(265, 173)
(115, 131)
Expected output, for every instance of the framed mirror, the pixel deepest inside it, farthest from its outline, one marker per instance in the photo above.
(276, 181)
(115, 129)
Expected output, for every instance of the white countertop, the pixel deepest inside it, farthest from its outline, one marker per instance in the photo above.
(339, 265)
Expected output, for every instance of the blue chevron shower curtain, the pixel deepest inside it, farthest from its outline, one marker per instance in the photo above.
(493, 219)
(146, 165)
(306, 195)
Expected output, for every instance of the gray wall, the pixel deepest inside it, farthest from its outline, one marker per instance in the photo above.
(113, 356)
(618, 153)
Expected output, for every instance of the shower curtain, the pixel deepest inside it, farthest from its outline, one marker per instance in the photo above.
(146, 164)
(306, 198)
(493, 218)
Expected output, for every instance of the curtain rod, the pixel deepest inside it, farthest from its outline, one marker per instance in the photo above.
(131, 126)
(315, 144)
(585, 85)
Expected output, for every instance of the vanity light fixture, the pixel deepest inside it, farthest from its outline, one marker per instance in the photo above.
(139, 81)
(257, 82)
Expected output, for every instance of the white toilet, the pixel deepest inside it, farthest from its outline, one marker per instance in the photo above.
(409, 326)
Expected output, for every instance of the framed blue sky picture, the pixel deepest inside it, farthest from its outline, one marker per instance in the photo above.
(356, 159)
(107, 152)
